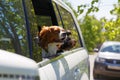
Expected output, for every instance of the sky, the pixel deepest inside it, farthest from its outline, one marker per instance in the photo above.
(104, 7)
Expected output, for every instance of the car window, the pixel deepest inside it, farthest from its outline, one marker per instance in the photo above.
(112, 48)
(60, 22)
(13, 36)
(107, 49)
(66, 20)
(37, 19)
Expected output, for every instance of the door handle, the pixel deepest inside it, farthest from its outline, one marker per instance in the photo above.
(76, 73)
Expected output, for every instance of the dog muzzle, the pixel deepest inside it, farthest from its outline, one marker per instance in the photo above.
(64, 34)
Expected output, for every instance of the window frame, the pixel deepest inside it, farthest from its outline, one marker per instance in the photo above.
(79, 35)
(29, 37)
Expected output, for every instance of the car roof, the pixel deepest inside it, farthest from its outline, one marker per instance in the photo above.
(108, 43)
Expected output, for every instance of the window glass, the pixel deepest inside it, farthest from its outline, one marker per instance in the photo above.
(12, 27)
(57, 14)
(69, 24)
(111, 48)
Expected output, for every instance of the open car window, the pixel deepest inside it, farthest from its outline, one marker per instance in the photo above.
(66, 20)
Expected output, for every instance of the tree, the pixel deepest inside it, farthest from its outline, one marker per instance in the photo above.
(116, 11)
(91, 29)
(96, 31)
(91, 8)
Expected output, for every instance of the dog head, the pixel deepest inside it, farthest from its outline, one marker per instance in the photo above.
(68, 42)
(50, 34)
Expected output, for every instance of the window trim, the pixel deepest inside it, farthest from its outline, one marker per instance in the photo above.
(80, 40)
(56, 5)
(28, 29)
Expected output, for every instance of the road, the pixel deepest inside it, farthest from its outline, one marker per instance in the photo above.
(92, 58)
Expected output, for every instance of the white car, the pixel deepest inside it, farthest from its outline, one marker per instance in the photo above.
(107, 62)
(20, 22)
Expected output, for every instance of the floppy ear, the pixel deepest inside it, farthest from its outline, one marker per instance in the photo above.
(44, 36)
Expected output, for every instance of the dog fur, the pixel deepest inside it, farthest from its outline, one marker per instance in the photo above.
(68, 43)
(49, 35)
(54, 39)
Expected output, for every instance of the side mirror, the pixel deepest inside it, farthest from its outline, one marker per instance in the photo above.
(96, 49)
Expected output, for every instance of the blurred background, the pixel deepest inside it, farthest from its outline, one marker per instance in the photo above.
(99, 20)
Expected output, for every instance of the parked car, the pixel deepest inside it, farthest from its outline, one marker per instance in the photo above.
(20, 22)
(107, 62)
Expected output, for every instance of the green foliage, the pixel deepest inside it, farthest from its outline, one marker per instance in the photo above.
(119, 1)
(91, 29)
(96, 31)
(90, 8)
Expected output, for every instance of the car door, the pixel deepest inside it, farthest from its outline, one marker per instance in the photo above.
(71, 64)
(77, 58)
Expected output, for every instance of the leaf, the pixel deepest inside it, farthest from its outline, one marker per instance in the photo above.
(81, 11)
(118, 1)
(92, 2)
(89, 10)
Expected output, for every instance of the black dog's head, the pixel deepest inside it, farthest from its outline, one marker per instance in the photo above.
(68, 42)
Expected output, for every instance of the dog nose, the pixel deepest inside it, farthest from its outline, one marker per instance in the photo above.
(65, 34)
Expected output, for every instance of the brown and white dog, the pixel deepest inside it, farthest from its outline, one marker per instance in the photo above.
(54, 39)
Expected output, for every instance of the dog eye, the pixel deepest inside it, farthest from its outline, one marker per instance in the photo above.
(68, 32)
(64, 34)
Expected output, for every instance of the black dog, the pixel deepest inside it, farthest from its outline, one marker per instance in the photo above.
(68, 42)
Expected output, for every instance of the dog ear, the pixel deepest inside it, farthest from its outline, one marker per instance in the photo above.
(43, 37)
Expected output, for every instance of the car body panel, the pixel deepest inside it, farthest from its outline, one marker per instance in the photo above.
(69, 67)
(16, 61)
(108, 55)
(16, 66)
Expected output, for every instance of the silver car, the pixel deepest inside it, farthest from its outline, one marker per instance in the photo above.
(107, 62)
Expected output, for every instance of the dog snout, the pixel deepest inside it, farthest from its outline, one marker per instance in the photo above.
(74, 42)
(65, 34)
(62, 35)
